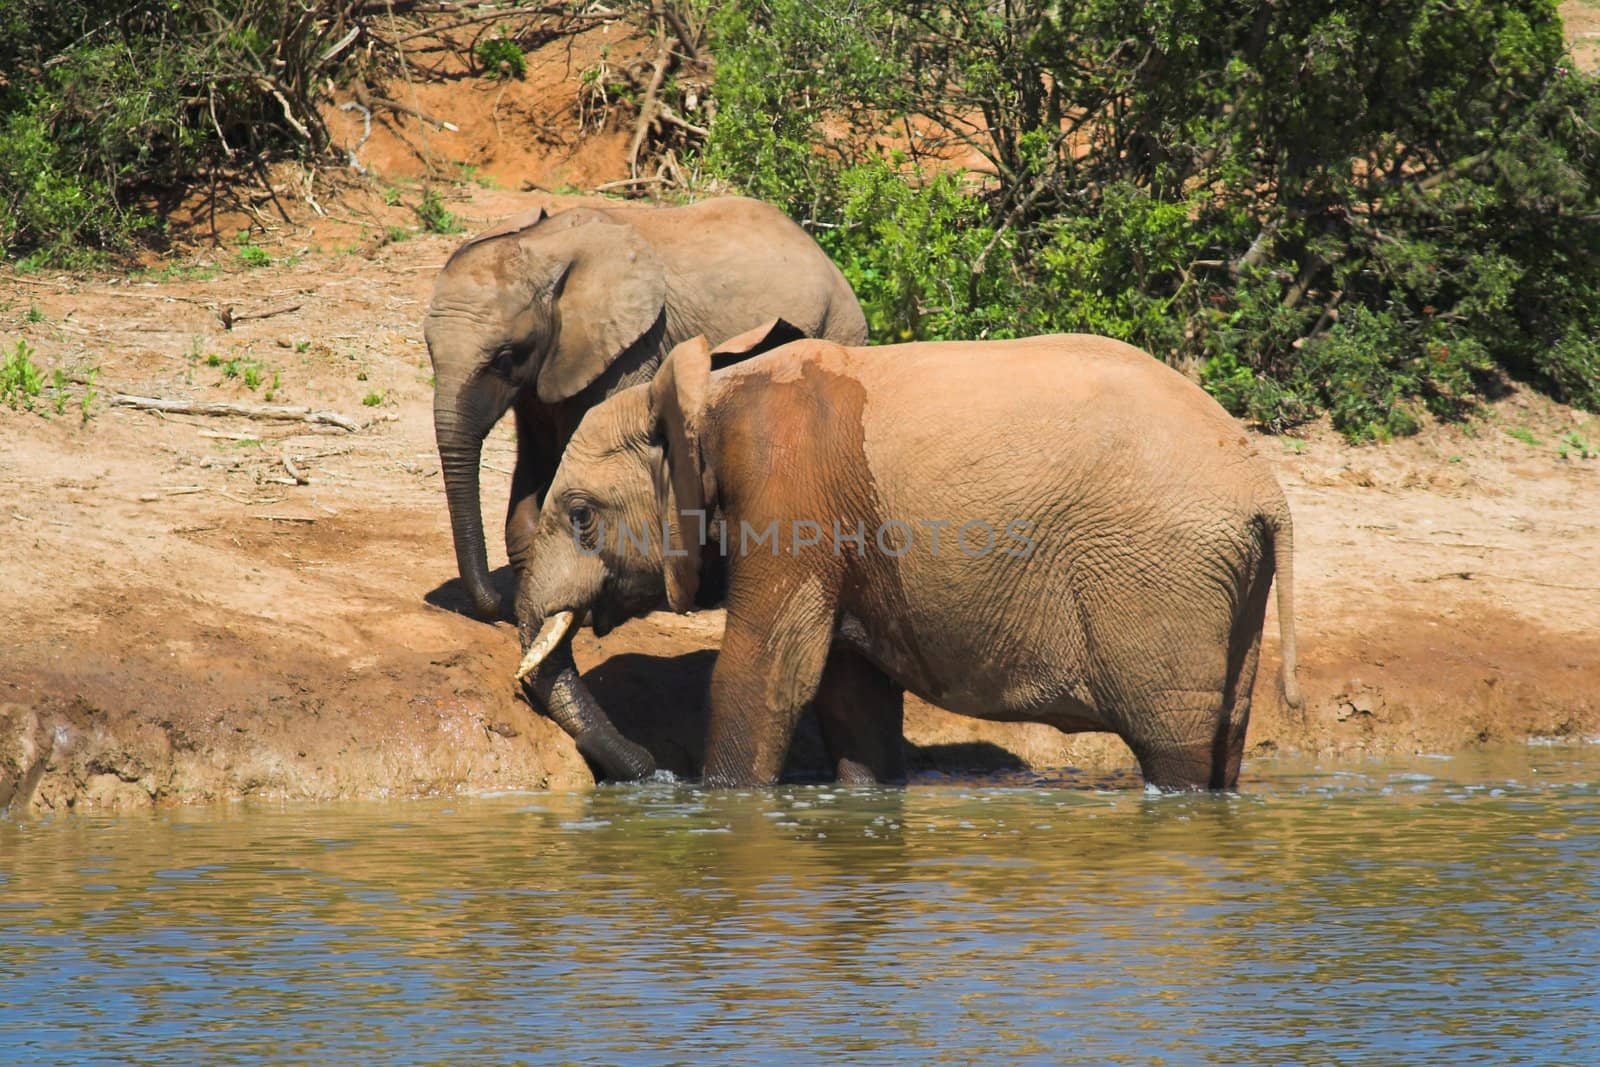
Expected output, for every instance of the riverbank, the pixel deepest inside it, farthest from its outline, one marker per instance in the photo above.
(201, 608)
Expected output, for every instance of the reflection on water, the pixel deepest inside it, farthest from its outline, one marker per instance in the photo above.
(1443, 911)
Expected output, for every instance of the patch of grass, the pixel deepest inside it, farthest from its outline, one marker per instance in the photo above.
(34, 315)
(1523, 434)
(181, 272)
(243, 368)
(396, 234)
(434, 216)
(1574, 444)
(372, 399)
(61, 391)
(502, 57)
(255, 256)
(272, 390)
(21, 381)
(302, 346)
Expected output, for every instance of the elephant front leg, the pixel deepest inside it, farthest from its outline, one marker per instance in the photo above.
(774, 647)
(861, 712)
(538, 454)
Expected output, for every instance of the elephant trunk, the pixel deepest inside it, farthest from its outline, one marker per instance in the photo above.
(556, 686)
(460, 451)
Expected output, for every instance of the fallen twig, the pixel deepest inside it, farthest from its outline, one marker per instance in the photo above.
(370, 100)
(294, 472)
(229, 318)
(277, 412)
(288, 518)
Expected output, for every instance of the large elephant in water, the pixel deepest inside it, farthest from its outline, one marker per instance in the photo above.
(547, 314)
(1058, 529)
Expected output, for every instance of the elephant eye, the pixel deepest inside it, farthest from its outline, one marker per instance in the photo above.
(581, 515)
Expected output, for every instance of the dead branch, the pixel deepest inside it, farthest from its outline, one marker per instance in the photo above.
(229, 318)
(294, 472)
(648, 109)
(278, 412)
(681, 31)
(369, 100)
(627, 183)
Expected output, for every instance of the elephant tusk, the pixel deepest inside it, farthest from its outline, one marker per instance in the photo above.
(550, 635)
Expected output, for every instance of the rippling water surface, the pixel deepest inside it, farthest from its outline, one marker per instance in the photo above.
(1439, 911)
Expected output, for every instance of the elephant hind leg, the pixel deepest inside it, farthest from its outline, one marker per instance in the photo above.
(1244, 651)
(862, 713)
(1180, 739)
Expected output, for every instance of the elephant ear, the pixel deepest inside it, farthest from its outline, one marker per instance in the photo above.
(609, 288)
(677, 406)
(515, 224)
(763, 338)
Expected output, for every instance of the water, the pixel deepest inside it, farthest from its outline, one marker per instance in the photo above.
(1441, 911)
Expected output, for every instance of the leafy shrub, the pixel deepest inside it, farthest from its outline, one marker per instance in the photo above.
(1373, 210)
(100, 99)
(501, 57)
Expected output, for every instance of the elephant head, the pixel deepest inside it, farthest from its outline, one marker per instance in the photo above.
(539, 306)
(626, 522)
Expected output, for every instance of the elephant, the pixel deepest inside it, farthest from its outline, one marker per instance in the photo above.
(547, 314)
(1058, 529)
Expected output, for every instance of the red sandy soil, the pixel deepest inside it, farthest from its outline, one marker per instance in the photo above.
(184, 622)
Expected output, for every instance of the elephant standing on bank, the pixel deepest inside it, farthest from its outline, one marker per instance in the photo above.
(1058, 529)
(548, 314)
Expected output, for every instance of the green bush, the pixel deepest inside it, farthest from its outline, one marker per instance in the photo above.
(1369, 210)
(502, 57)
(101, 100)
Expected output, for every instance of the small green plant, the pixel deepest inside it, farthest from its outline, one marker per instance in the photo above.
(87, 400)
(391, 196)
(255, 256)
(247, 370)
(434, 216)
(396, 234)
(502, 57)
(372, 399)
(1575, 444)
(34, 314)
(20, 378)
(361, 375)
(61, 391)
(1523, 434)
(302, 346)
(272, 390)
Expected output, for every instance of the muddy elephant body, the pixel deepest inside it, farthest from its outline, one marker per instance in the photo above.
(547, 314)
(1059, 529)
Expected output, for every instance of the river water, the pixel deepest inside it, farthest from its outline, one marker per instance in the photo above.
(1433, 911)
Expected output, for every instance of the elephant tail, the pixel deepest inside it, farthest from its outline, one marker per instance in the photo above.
(1282, 530)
